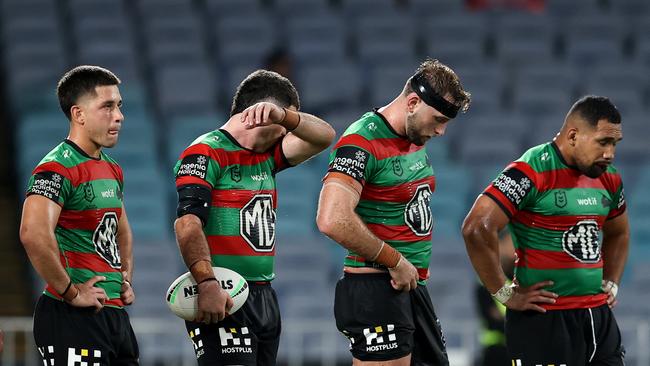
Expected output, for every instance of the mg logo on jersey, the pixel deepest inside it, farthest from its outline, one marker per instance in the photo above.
(418, 211)
(257, 223)
(105, 242)
(581, 241)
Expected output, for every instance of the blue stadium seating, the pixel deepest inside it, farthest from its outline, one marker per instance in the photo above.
(181, 61)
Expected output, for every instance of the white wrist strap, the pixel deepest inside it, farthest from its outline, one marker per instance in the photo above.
(505, 292)
(610, 286)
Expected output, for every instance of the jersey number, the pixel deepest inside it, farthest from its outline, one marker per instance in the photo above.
(105, 241)
(257, 223)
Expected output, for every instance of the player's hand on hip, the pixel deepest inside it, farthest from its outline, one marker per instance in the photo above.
(611, 289)
(127, 294)
(404, 276)
(262, 114)
(213, 302)
(89, 295)
(528, 298)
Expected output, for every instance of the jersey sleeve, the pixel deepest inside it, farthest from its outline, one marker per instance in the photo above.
(513, 188)
(353, 156)
(280, 160)
(50, 180)
(120, 176)
(618, 205)
(198, 164)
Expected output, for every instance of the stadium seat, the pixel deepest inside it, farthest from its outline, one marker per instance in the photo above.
(330, 32)
(312, 9)
(249, 41)
(381, 39)
(324, 87)
(187, 89)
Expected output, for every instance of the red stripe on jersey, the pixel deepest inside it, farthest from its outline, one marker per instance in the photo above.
(526, 169)
(89, 261)
(558, 223)
(225, 157)
(112, 302)
(52, 166)
(616, 212)
(423, 273)
(92, 170)
(86, 219)
(381, 148)
(544, 259)
(280, 159)
(396, 232)
(399, 193)
(566, 178)
(356, 140)
(576, 302)
(391, 147)
(237, 198)
(188, 179)
(233, 245)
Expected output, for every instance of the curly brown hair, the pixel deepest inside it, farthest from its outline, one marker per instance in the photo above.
(444, 81)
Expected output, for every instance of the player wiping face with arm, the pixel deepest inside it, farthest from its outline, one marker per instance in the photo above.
(257, 124)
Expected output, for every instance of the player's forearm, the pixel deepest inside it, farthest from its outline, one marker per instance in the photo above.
(615, 251)
(316, 132)
(481, 243)
(125, 242)
(193, 246)
(42, 251)
(346, 228)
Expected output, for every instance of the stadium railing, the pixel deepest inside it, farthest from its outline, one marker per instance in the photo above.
(19, 348)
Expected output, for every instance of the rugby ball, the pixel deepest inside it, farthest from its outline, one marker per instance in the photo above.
(183, 293)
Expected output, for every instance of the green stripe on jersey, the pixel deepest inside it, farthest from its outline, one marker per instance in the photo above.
(567, 282)
(74, 240)
(222, 221)
(535, 238)
(385, 213)
(252, 268)
(112, 285)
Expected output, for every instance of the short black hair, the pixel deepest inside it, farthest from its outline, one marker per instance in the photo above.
(261, 85)
(593, 108)
(80, 81)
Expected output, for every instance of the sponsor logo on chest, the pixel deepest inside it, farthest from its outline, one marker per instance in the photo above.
(260, 177)
(589, 201)
(417, 166)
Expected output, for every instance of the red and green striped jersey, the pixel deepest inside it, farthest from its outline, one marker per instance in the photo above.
(89, 191)
(241, 224)
(556, 216)
(397, 181)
